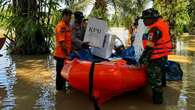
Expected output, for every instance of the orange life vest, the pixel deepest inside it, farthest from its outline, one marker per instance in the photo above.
(63, 33)
(163, 46)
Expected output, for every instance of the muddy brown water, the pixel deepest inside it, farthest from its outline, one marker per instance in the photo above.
(28, 82)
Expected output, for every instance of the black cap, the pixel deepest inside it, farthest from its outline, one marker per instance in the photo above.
(78, 15)
(150, 13)
(66, 12)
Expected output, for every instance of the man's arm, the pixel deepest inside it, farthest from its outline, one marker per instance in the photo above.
(154, 35)
(60, 37)
(76, 41)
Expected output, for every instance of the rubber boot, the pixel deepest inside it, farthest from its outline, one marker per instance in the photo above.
(157, 95)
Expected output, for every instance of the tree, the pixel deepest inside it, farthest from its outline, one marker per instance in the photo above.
(100, 9)
(174, 11)
(125, 10)
(191, 12)
(30, 23)
(129, 10)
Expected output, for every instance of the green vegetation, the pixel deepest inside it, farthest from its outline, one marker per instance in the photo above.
(127, 11)
(191, 11)
(30, 23)
(176, 12)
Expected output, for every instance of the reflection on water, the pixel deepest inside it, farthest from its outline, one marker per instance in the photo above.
(35, 75)
(180, 58)
(28, 82)
(7, 82)
(187, 92)
(45, 100)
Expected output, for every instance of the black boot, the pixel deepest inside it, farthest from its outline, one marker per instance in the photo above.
(157, 95)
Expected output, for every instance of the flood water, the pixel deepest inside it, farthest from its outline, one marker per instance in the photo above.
(28, 82)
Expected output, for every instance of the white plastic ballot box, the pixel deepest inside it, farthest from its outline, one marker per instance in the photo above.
(108, 45)
(95, 32)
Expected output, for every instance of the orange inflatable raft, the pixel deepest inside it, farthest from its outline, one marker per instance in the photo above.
(105, 79)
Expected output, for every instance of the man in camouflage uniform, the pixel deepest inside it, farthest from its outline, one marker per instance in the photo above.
(157, 44)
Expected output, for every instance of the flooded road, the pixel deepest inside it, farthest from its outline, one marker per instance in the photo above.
(28, 82)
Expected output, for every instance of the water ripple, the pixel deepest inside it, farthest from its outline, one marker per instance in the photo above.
(7, 81)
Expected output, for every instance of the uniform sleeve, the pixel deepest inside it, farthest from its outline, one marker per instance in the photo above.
(154, 34)
(60, 33)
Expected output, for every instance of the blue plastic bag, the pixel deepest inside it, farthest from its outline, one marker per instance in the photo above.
(129, 55)
(83, 54)
(173, 71)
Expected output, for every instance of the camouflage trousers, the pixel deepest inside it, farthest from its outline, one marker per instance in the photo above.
(155, 71)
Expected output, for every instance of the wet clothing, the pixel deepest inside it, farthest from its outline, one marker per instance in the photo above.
(157, 45)
(63, 34)
(78, 35)
(155, 70)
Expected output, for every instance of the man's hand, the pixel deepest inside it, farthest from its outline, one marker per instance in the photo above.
(150, 44)
(85, 45)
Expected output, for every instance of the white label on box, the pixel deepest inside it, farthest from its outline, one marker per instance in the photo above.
(95, 32)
